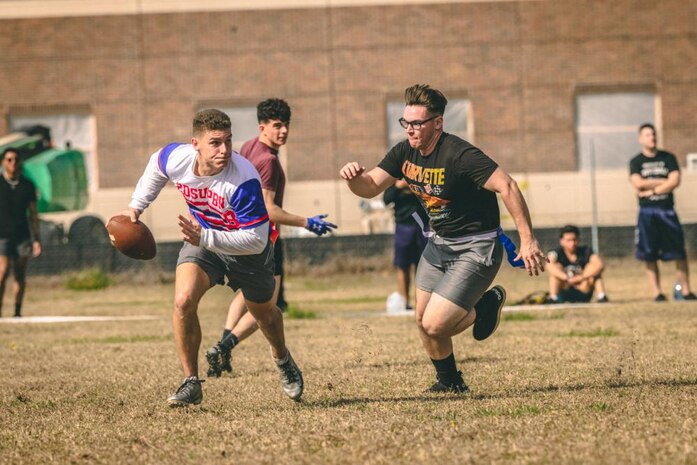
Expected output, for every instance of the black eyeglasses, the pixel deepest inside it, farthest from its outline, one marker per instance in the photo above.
(415, 124)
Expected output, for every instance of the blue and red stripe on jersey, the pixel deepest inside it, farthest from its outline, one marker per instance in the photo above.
(164, 154)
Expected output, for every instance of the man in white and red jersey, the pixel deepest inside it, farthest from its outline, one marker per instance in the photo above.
(273, 116)
(227, 235)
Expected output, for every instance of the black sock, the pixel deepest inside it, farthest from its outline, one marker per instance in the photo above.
(18, 309)
(229, 342)
(226, 332)
(446, 370)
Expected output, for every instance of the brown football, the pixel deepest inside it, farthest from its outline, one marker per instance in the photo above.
(131, 239)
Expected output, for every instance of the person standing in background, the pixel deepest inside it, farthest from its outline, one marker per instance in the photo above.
(409, 240)
(655, 174)
(19, 228)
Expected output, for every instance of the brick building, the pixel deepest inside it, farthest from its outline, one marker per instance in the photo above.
(531, 81)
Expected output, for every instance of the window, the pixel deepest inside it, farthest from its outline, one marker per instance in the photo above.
(456, 120)
(68, 129)
(607, 125)
(244, 124)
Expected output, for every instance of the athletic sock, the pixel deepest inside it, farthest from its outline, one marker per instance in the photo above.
(18, 309)
(226, 332)
(284, 360)
(229, 342)
(446, 370)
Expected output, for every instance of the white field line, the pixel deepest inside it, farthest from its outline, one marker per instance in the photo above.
(74, 319)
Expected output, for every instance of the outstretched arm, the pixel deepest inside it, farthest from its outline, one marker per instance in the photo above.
(501, 183)
(278, 215)
(366, 185)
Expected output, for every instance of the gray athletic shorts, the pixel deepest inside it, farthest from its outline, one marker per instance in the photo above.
(253, 274)
(15, 249)
(459, 271)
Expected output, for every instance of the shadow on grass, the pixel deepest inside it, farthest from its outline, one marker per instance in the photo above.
(611, 384)
(439, 398)
(344, 402)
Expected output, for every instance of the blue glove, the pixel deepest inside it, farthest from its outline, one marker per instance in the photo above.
(317, 225)
(511, 253)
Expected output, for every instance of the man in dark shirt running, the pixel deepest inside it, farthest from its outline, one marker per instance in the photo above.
(457, 184)
(654, 174)
(575, 271)
(19, 232)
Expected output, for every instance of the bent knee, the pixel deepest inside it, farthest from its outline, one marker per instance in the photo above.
(434, 329)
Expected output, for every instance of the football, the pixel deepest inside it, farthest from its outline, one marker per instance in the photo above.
(131, 239)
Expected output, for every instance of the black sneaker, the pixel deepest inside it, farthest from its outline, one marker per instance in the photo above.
(660, 298)
(189, 393)
(603, 300)
(458, 388)
(690, 296)
(291, 378)
(488, 312)
(219, 360)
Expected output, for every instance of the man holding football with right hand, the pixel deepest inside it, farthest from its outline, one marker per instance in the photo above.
(226, 236)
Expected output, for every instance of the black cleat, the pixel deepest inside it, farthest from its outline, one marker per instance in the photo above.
(458, 387)
(189, 393)
(603, 300)
(690, 296)
(219, 360)
(488, 312)
(660, 298)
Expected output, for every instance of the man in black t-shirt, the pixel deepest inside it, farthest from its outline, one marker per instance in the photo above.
(17, 198)
(457, 185)
(575, 271)
(654, 174)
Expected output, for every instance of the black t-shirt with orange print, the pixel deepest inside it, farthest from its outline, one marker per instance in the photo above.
(448, 182)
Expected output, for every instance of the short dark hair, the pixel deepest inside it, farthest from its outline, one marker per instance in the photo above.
(273, 108)
(569, 228)
(9, 150)
(211, 119)
(647, 125)
(423, 95)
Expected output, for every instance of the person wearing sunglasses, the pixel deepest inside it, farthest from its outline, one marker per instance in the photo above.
(19, 228)
(457, 185)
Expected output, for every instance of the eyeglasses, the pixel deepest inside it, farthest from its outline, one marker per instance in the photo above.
(415, 124)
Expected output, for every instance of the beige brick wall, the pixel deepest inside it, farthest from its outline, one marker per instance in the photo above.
(519, 63)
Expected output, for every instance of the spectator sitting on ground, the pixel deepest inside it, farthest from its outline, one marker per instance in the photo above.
(575, 271)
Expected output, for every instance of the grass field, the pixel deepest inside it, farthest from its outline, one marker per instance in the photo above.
(612, 384)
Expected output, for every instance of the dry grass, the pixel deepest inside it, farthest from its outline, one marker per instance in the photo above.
(606, 385)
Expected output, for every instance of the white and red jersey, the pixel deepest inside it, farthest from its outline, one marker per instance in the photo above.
(229, 206)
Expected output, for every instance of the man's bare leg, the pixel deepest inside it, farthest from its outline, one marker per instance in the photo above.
(683, 273)
(654, 277)
(191, 283)
(438, 320)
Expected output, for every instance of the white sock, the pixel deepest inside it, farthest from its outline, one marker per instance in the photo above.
(281, 361)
